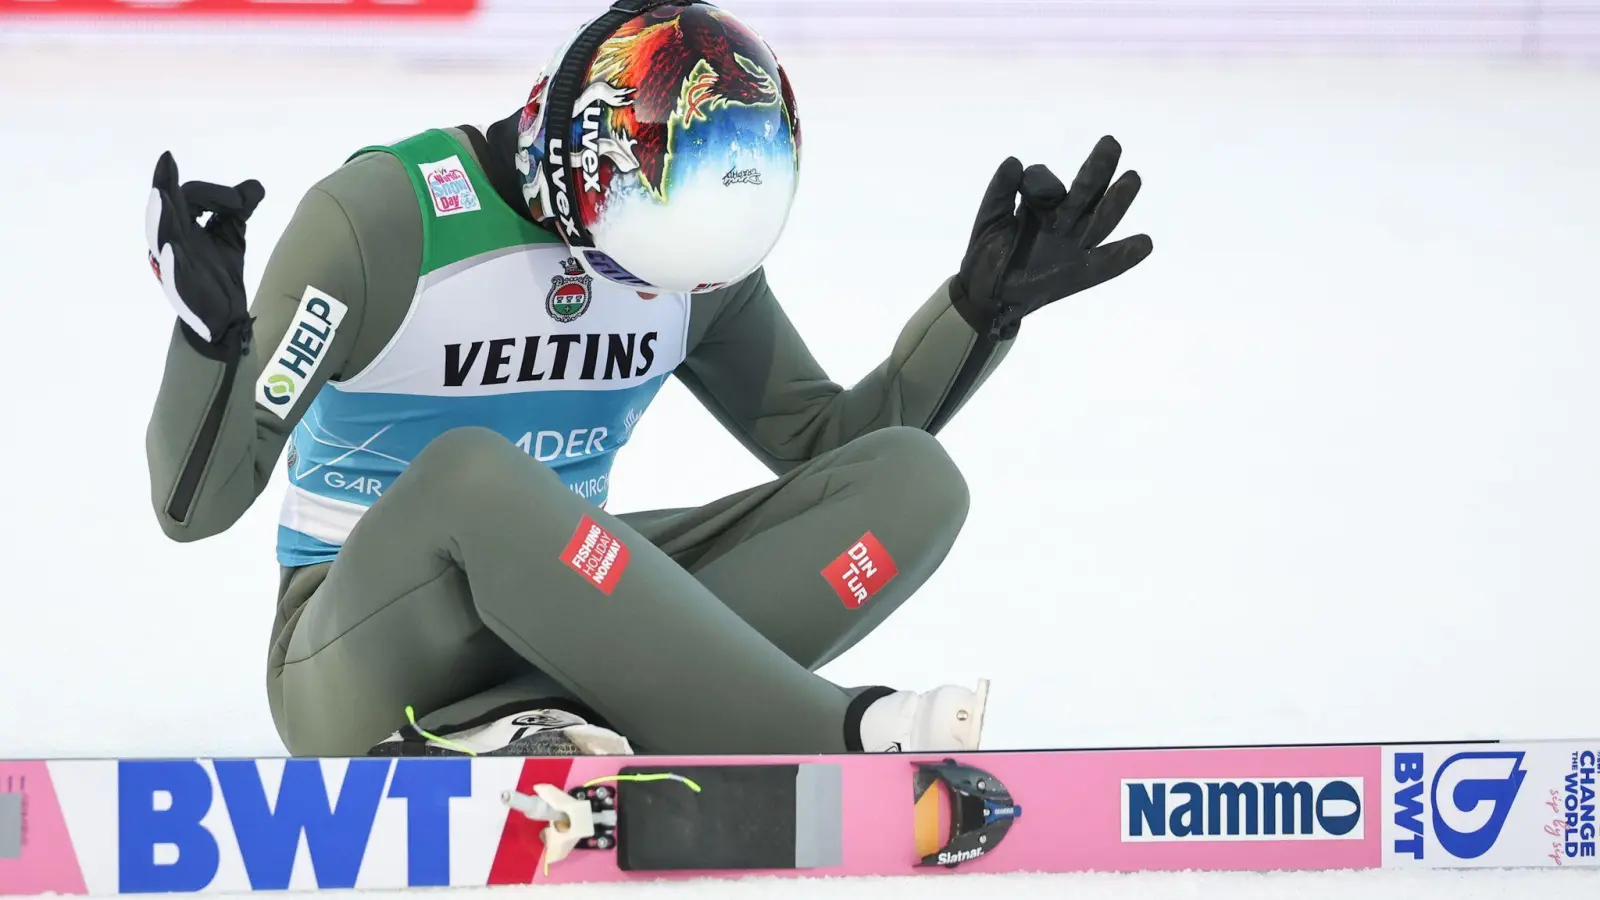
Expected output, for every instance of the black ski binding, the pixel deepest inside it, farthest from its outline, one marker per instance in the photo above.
(603, 803)
(981, 812)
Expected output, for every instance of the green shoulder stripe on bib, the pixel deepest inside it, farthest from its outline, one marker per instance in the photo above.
(462, 216)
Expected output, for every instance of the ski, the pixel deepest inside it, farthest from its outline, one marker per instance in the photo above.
(172, 826)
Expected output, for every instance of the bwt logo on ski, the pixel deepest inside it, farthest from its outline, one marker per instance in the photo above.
(301, 352)
(1468, 800)
(1574, 824)
(1268, 809)
(553, 357)
(178, 831)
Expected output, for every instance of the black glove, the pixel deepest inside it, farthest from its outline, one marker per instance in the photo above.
(201, 267)
(1022, 258)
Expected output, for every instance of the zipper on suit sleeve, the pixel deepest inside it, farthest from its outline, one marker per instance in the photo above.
(182, 502)
(978, 358)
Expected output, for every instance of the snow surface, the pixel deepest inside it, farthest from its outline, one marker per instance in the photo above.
(1323, 469)
(1393, 884)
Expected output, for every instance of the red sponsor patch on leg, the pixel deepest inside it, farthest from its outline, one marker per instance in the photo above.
(860, 571)
(596, 554)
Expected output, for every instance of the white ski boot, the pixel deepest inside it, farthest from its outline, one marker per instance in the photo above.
(947, 718)
(534, 732)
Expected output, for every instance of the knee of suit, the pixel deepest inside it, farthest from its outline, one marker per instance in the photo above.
(912, 465)
(481, 467)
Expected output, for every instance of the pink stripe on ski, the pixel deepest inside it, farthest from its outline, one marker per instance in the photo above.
(1072, 812)
(48, 863)
(1091, 839)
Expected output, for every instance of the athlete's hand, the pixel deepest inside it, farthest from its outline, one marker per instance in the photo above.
(201, 267)
(1024, 256)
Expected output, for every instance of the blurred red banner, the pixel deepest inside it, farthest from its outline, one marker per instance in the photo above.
(251, 9)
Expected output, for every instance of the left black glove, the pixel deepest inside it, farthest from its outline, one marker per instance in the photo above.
(201, 267)
(1024, 256)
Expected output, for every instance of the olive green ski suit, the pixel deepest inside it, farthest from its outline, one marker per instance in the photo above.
(455, 592)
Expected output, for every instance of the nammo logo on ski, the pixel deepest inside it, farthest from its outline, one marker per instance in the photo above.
(1470, 796)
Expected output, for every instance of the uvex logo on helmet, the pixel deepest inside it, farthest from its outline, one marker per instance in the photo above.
(593, 146)
(589, 155)
(556, 166)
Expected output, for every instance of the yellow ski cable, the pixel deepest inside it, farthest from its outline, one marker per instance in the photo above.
(411, 716)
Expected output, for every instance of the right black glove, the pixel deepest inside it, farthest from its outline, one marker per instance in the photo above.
(1025, 255)
(201, 267)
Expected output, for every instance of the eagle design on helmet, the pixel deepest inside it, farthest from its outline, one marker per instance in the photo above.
(679, 63)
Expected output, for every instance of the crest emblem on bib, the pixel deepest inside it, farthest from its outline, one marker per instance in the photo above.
(569, 293)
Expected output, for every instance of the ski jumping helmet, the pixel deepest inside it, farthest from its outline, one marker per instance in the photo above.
(662, 143)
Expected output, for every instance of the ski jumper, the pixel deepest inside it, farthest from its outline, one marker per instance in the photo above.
(452, 396)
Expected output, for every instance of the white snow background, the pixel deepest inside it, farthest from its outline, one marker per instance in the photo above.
(1324, 468)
